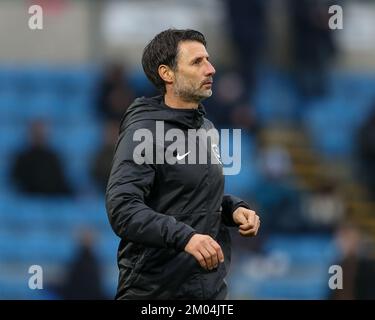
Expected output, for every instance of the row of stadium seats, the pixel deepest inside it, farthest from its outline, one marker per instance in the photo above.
(58, 213)
(31, 79)
(276, 96)
(333, 123)
(51, 247)
(83, 137)
(46, 232)
(55, 94)
(47, 105)
(75, 144)
(290, 267)
(45, 77)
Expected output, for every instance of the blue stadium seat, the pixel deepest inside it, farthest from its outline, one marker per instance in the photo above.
(77, 145)
(78, 107)
(12, 138)
(35, 78)
(45, 213)
(243, 184)
(332, 124)
(275, 97)
(17, 289)
(303, 249)
(48, 92)
(42, 105)
(78, 79)
(42, 247)
(296, 289)
(9, 77)
(9, 105)
(352, 85)
(107, 248)
(140, 84)
(79, 138)
(301, 273)
(94, 213)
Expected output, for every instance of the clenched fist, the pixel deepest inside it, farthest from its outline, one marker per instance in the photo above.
(206, 250)
(247, 220)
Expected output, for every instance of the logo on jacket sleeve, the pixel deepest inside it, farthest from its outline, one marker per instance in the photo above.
(216, 152)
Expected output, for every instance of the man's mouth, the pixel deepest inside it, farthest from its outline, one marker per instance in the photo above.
(209, 82)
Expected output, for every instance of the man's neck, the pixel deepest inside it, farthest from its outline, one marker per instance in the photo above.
(177, 103)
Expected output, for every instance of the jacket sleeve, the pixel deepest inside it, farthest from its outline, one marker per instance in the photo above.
(131, 219)
(229, 205)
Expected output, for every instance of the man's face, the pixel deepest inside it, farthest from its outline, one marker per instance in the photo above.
(194, 72)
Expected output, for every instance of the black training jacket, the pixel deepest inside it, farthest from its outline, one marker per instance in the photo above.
(155, 208)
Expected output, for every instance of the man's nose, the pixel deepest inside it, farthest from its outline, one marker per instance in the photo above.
(210, 69)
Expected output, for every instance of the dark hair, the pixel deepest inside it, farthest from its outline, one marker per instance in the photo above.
(163, 49)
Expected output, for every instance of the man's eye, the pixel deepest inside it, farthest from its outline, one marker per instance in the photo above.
(198, 61)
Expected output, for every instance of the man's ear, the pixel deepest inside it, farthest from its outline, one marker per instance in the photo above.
(166, 73)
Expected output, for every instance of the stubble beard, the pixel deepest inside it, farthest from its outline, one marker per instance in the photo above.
(187, 92)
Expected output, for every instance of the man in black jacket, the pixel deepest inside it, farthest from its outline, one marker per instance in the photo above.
(170, 211)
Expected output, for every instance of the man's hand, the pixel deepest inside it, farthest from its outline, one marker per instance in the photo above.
(206, 250)
(247, 220)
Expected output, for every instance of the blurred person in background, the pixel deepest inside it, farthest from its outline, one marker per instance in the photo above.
(276, 195)
(38, 170)
(172, 218)
(243, 117)
(313, 45)
(84, 277)
(230, 90)
(247, 20)
(366, 153)
(324, 208)
(358, 265)
(115, 93)
(102, 161)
